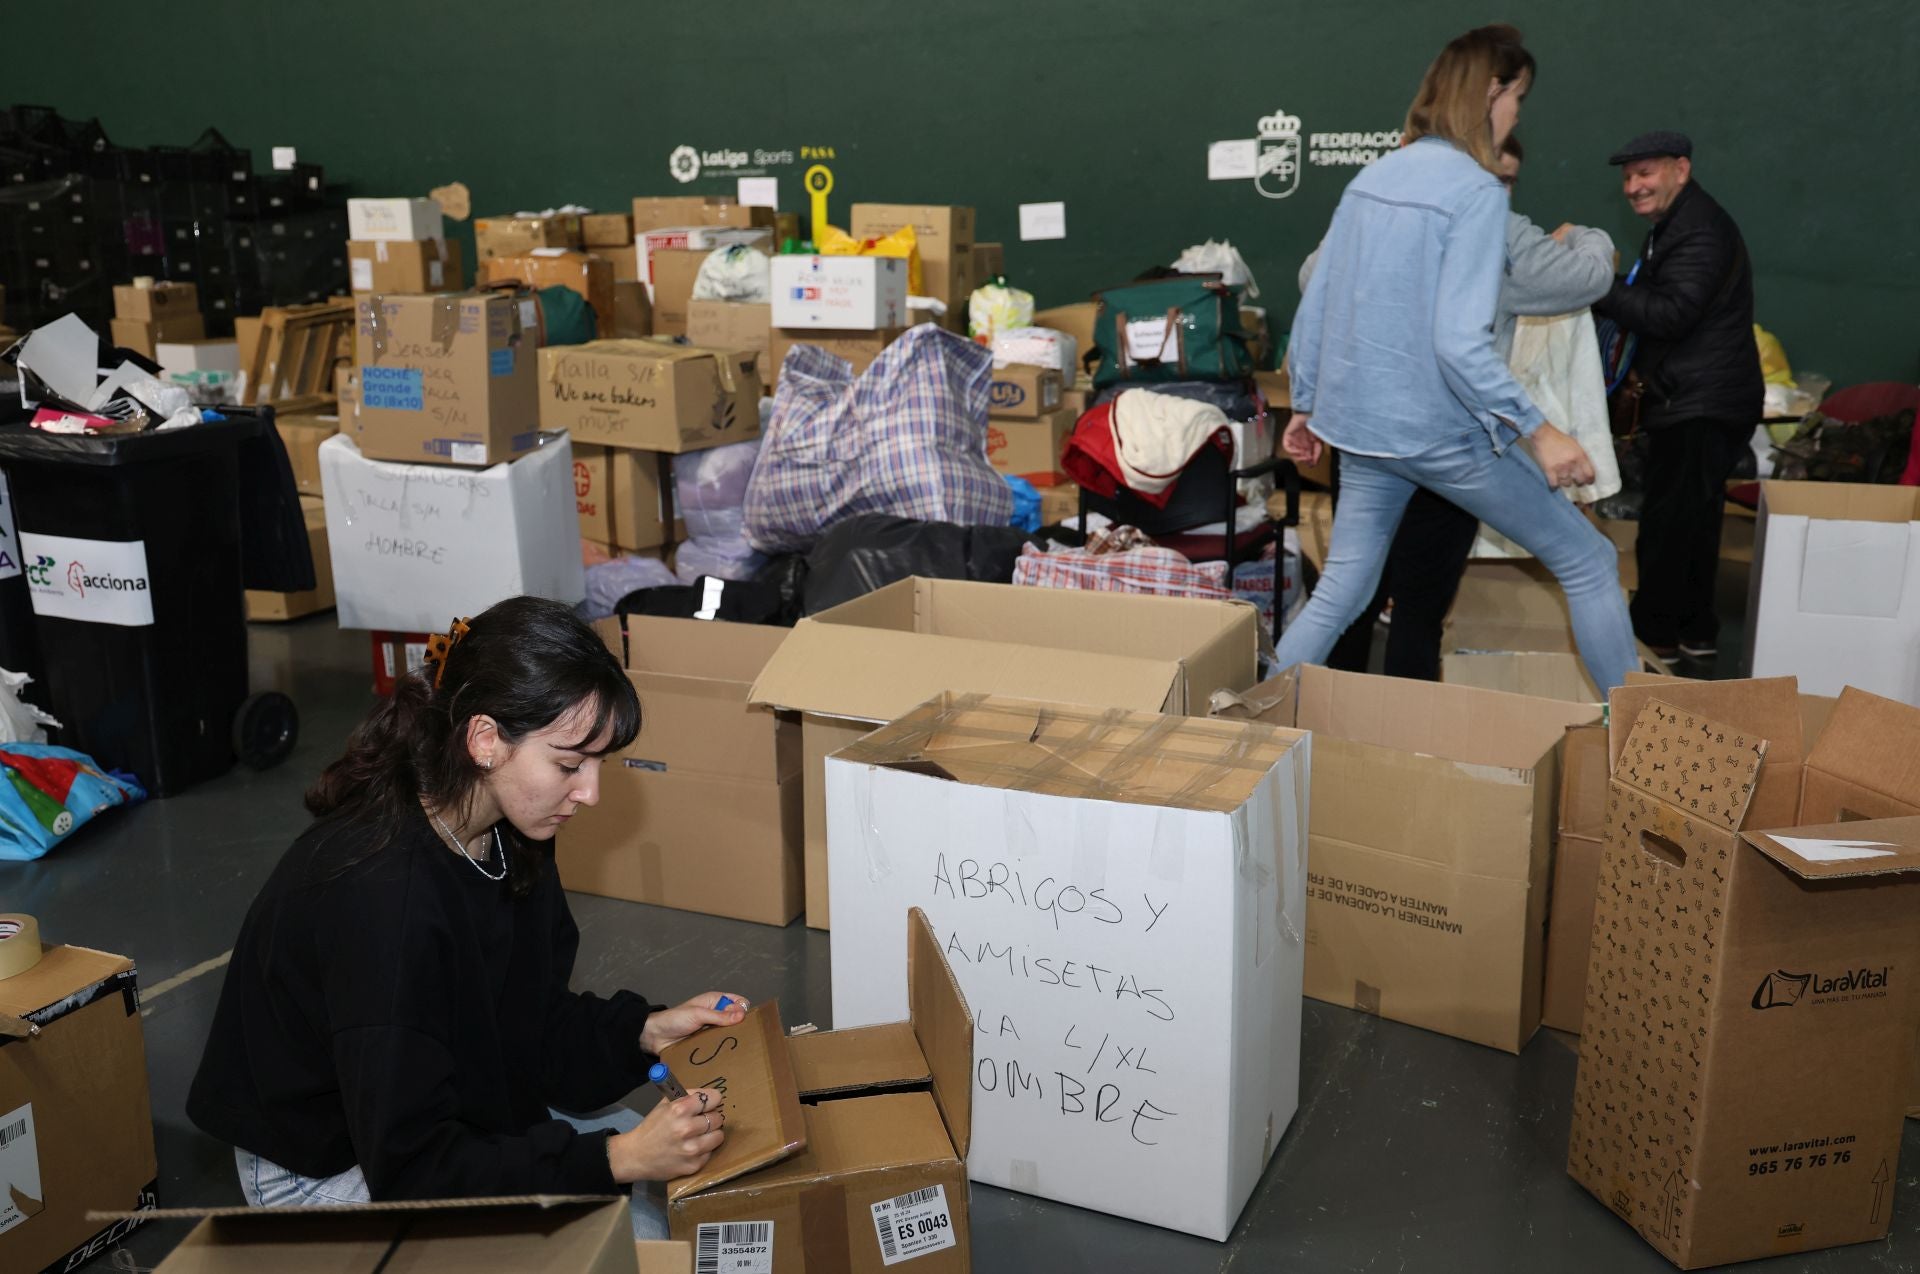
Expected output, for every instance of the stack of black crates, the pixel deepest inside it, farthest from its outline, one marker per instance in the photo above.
(79, 214)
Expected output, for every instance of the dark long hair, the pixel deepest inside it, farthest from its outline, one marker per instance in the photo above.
(524, 662)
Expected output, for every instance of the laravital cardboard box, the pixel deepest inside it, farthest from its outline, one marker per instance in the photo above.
(618, 494)
(1837, 568)
(1747, 1058)
(703, 811)
(561, 1234)
(448, 378)
(734, 325)
(414, 545)
(263, 606)
(1029, 448)
(857, 348)
(1430, 907)
(1122, 896)
(867, 661)
(650, 395)
(870, 1173)
(76, 1123)
(588, 274)
(522, 233)
(839, 293)
(405, 265)
(1020, 392)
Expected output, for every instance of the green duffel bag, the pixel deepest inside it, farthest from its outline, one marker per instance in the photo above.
(1183, 327)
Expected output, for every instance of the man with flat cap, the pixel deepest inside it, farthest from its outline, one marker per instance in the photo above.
(1689, 301)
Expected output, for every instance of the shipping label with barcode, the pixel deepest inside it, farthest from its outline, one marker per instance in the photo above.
(737, 1247)
(20, 1195)
(913, 1224)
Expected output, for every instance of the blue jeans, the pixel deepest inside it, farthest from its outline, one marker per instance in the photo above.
(1507, 491)
(268, 1185)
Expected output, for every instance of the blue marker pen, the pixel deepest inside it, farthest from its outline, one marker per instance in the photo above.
(662, 1078)
(722, 1004)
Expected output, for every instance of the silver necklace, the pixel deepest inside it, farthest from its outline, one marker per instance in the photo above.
(464, 853)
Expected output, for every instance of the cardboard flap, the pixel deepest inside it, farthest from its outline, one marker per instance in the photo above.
(696, 648)
(1861, 847)
(1062, 750)
(1767, 706)
(883, 1056)
(1455, 723)
(61, 972)
(1840, 501)
(1698, 766)
(749, 1064)
(943, 1025)
(871, 674)
(535, 1202)
(1872, 742)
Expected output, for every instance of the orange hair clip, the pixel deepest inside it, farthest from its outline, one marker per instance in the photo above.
(439, 648)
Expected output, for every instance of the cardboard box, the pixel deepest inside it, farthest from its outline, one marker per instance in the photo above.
(143, 336)
(208, 368)
(1141, 871)
(1541, 674)
(1020, 392)
(650, 243)
(1075, 401)
(158, 302)
(671, 291)
(449, 378)
(632, 311)
(1430, 908)
(1576, 875)
(664, 1256)
(1059, 503)
(412, 546)
(1750, 1033)
(703, 811)
(989, 262)
(618, 495)
(650, 395)
(625, 260)
(517, 235)
(302, 436)
(405, 265)
(1837, 569)
(873, 1173)
(1075, 320)
(858, 348)
(734, 325)
(870, 660)
(266, 607)
(75, 1110)
(1029, 448)
(839, 293)
(607, 230)
(586, 274)
(394, 219)
(698, 210)
(945, 237)
(565, 1235)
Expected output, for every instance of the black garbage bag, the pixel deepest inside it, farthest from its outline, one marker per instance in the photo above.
(872, 550)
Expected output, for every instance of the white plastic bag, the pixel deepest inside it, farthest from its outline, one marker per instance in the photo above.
(20, 722)
(997, 308)
(1038, 347)
(734, 273)
(1220, 258)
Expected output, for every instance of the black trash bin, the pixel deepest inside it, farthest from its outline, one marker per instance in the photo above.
(134, 567)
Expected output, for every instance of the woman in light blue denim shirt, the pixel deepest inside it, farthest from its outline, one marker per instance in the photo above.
(1393, 363)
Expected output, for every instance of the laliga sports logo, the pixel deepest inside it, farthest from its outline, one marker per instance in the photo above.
(684, 163)
(1277, 172)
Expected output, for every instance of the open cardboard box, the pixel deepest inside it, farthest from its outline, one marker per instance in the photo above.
(871, 1171)
(1749, 1045)
(865, 662)
(1123, 896)
(702, 811)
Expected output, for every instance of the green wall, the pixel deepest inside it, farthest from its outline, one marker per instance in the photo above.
(1802, 116)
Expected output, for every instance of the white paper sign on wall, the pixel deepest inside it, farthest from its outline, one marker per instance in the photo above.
(1043, 221)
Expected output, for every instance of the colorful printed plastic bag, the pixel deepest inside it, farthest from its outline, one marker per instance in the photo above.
(47, 793)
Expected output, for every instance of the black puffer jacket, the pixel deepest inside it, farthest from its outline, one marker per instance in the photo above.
(1692, 308)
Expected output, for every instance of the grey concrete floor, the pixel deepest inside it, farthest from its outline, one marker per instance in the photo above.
(1411, 1151)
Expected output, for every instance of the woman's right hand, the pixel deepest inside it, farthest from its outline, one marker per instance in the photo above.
(1564, 460)
(676, 1138)
(1300, 443)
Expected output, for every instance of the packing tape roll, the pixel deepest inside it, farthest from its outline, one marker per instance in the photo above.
(19, 944)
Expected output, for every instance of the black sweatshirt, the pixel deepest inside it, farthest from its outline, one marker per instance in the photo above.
(408, 1015)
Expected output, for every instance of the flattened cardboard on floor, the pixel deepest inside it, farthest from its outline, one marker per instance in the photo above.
(1746, 1062)
(882, 1177)
(650, 395)
(561, 1235)
(75, 1108)
(877, 657)
(1430, 907)
(1123, 897)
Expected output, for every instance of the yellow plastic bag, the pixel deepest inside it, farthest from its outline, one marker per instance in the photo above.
(1773, 357)
(835, 242)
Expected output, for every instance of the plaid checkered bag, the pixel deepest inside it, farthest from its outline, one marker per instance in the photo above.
(908, 438)
(1158, 571)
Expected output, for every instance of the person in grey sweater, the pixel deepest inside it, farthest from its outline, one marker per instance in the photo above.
(1546, 274)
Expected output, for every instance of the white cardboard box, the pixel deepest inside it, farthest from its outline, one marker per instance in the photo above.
(1835, 599)
(1122, 896)
(394, 219)
(848, 293)
(416, 546)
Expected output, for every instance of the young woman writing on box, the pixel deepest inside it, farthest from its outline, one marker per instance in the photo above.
(396, 1022)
